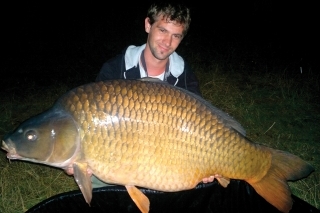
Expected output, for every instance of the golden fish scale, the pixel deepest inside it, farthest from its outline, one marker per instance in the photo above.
(154, 136)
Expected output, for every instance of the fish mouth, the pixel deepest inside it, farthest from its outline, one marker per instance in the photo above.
(12, 153)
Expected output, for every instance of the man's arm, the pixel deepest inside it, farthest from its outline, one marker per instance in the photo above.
(188, 80)
(112, 69)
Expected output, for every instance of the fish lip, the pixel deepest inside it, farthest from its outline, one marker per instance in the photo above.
(12, 153)
(13, 156)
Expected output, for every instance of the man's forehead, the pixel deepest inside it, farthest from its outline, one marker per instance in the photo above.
(166, 20)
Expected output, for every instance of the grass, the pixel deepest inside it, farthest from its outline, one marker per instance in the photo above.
(277, 108)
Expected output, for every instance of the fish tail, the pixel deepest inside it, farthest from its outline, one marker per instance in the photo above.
(273, 187)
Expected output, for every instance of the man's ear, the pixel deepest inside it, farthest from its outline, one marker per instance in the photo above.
(147, 25)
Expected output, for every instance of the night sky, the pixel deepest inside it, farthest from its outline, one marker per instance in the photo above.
(40, 37)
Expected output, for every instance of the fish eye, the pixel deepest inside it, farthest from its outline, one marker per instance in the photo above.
(31, 135)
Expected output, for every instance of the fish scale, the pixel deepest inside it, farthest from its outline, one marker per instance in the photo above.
(153, 135)
(144, 100)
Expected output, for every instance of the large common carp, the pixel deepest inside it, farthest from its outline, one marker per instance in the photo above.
(151, 135)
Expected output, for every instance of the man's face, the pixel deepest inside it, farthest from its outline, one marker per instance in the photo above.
(164, 37)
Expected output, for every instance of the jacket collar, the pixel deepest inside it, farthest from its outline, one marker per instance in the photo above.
(132, 57)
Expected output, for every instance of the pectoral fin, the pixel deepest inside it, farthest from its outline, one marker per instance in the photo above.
(83, 179)
(138, 198)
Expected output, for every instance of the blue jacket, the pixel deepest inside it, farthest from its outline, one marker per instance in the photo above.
(127, 66)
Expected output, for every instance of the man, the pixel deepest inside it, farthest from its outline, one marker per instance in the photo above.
(166, 25)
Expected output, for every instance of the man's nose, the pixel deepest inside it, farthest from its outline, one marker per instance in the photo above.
(167, 40)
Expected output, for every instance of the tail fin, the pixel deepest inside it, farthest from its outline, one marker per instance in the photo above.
(273, 187)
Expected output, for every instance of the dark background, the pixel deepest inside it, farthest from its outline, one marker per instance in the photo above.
(54, 41)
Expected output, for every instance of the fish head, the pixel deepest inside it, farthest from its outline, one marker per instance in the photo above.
(51, 138)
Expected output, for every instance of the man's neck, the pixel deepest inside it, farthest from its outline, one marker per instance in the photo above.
(154, 66)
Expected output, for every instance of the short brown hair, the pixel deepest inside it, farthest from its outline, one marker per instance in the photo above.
(175, 12)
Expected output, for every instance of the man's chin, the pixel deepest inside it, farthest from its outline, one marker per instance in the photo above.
(162, 56)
